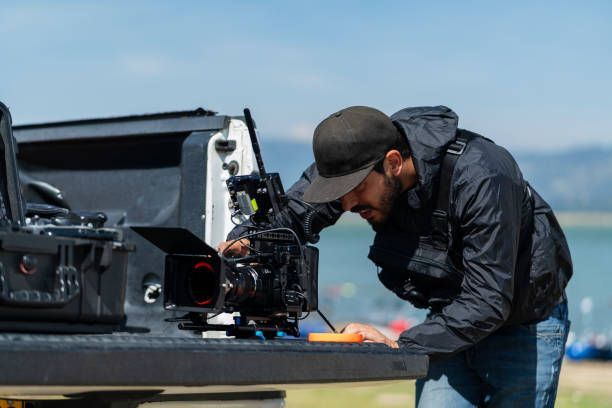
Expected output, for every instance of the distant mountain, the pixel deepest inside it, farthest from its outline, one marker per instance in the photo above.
(289, 159)
(574, 180)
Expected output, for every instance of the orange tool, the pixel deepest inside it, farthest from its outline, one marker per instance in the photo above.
(336, 337)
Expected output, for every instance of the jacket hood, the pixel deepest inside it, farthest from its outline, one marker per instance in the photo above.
(429, 130)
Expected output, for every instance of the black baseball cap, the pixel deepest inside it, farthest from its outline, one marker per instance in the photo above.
(347, 145)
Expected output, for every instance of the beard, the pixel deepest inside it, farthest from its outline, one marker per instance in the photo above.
(390, 194)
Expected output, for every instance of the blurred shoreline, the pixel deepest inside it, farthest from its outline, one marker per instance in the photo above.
(568, 219)
(351, 290)
(584, 219)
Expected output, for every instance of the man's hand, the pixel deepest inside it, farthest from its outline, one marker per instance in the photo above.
(369, 333)
(234, 248)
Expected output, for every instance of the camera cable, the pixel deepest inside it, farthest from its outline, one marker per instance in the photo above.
(331, 326)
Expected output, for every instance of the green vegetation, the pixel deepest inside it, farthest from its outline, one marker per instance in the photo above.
(401, 394)
(398, 394)
(576, 398)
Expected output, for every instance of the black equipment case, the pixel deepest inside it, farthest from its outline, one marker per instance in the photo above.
(60, 271)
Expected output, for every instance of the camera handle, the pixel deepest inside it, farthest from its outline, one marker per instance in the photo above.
(66, 287)
(309, 234)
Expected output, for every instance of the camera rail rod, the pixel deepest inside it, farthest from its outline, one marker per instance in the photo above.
(256, 150)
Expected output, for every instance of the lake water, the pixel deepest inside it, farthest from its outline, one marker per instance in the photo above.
(349, 289)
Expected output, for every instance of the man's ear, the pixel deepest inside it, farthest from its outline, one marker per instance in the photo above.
(393, 163)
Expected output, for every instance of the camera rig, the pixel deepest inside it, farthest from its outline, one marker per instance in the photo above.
(272, 288)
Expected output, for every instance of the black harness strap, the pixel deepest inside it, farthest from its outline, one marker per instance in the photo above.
(439, 219)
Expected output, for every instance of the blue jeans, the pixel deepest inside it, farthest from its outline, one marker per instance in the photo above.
(516, 366)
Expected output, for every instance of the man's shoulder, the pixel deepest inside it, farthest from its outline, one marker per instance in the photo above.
(483, 159)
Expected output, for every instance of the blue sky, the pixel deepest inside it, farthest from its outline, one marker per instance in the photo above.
(530, 75)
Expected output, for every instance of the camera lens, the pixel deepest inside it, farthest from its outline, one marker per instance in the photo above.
(243, 285)
(203, 284)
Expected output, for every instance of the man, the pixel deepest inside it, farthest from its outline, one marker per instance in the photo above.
(458, 231)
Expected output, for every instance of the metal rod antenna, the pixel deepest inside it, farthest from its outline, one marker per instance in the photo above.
(251, 126)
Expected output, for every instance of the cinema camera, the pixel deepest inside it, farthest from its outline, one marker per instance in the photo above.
(272, 288)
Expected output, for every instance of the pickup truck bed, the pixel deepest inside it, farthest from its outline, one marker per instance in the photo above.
(74, 366)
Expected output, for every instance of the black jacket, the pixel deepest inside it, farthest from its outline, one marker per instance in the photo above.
(509, 260)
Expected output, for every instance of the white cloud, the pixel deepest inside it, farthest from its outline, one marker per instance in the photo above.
(40, 17)
(301, 132)
(306, 80)
(148, 66)
(13, 19)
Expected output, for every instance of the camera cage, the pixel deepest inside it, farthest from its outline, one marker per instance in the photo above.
(258, 198)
